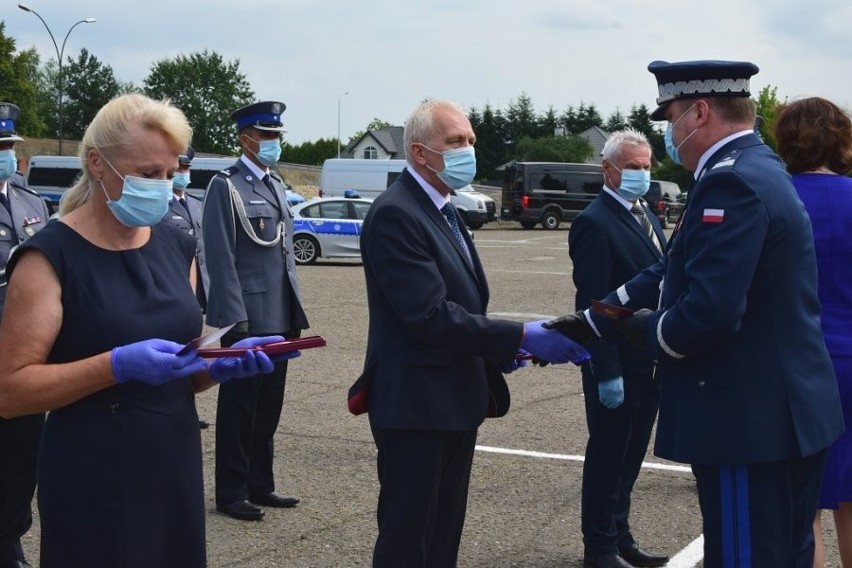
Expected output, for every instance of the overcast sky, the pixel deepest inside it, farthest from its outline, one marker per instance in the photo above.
(391, 54)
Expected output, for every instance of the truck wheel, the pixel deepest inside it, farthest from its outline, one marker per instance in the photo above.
(550, 220)
(305, 249)
(528, 224)
(474, 226)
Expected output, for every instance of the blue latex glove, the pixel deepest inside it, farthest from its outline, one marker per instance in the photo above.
(611, 392)
(254, 362)
(550, 345)
(515, 364)
(153, 361)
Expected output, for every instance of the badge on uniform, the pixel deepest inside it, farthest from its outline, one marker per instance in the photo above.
(713, 215)
(32, 220)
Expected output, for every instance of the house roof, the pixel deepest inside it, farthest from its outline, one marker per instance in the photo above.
(390, 139)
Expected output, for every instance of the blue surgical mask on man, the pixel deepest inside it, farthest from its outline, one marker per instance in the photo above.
(268, 152)
(181, 180)
(634, 183)
(459, 166)
(672, 150)
(8, 164)
(143, 202)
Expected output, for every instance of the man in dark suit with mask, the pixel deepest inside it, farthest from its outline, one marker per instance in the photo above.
(248, 244)
(611, 241)
(22, 213)
(434, 360)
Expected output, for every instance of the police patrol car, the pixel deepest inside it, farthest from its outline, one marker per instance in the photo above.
(328, 227)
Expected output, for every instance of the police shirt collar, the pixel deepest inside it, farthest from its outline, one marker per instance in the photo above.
(259, 173)
(712, 150)
(436, 196)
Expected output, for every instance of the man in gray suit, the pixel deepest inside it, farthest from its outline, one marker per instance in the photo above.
(248, 243)
(22, 213)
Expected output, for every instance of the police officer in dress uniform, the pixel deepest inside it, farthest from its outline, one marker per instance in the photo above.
(185, 214)
(248, 241)
(731, 316)
(22, 213)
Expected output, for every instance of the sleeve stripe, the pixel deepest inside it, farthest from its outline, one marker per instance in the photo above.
(669, 351)
(623, 296)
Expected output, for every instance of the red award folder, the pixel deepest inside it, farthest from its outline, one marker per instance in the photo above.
(276, 348)
(610, 311)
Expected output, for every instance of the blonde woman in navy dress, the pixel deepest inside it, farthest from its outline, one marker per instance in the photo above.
(97, 309)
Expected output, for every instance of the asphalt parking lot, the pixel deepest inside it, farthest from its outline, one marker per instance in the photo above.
(524, 502)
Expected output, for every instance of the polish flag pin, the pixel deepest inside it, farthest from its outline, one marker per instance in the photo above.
(713, 215)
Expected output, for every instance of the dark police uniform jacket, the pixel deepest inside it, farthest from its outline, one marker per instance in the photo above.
(29, 215)
(608, 247)
(745, 375)
(190, 223)
(249, 281)
(431, 351)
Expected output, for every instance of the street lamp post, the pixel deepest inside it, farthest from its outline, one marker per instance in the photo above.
(338, 120)
(59, 54)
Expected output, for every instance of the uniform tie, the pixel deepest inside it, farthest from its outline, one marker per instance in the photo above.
(639, 212)
(5, 202)
(182, 201)
(450, 213)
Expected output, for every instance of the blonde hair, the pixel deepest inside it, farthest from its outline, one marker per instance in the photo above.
(109, 131)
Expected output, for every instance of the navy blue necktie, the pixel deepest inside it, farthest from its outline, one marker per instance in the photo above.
(182, 201)
(450, 213)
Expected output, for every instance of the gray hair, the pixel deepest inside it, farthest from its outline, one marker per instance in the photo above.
(620, 138)
(420, 128)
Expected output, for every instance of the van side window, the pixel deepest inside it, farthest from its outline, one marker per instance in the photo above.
(590, 184)
(53, 177)
(392, 178)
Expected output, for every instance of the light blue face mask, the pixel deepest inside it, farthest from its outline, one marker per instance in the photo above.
(181, 180)
(143, 202)
(8, 164)
(634, 183)
(672, 150)
(459, 166)
(268, 152)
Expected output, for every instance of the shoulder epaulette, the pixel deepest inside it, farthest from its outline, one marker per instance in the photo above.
(22, 185)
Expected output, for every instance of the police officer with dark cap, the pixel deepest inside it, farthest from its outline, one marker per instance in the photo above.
(185, 214)
(731, 317)
(248, 243)
(22, 213)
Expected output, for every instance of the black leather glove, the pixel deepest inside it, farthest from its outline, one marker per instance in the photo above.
(633, 327)
(573, 326)
(239, 332)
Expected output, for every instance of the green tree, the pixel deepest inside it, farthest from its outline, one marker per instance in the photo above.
(767, 108)
(640, 119)
(581, 119)
(491, 146)
(88, 85)
(616, 121)
(521, 120)
(310, 153)
(375, 124)
(207, 89)
(18, 71)
(554, 149)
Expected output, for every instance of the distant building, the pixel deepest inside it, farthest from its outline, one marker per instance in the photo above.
(383, 144)
(596, 136)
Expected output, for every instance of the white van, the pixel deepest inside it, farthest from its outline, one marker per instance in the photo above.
(371, 177)
(50, 176)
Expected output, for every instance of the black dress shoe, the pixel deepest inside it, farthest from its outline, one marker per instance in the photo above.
(605, 561)
(21, 563)
(242, 510)
(642, 558)
(274, 499)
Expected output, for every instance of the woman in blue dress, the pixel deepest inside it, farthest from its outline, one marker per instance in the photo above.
(815, 140)
(97, 310)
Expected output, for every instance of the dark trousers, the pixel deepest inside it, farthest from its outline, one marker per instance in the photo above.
(247, 414)
(19, 439)
(618, 440)
(760, 516)
(424, 477)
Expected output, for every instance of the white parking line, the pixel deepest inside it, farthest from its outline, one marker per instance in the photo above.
(689, 557)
